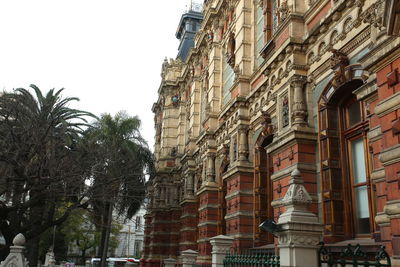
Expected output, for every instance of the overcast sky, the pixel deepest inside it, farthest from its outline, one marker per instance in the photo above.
(106, 52)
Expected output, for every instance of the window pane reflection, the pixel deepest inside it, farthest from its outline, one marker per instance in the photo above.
(362, 209)
(357, 153)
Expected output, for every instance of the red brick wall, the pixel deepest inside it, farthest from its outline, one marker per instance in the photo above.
(388, 189)
(319, 16)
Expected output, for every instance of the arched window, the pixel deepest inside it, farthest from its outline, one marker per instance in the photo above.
(347, 195)
(228, 79)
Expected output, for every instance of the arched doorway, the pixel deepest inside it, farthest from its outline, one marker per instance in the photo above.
(263, 169)
(222, 191)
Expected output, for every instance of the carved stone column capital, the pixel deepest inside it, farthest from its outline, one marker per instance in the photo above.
(297, 81)
(211, 167)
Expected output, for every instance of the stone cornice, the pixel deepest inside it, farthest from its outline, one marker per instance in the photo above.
(374, 134)
(237, 169)
(303, 167)
(239, 193)
(388, 105)
(281, 142)
(378, 175)
(239, 214)
(207, 223)
(390, 155)
(361, 38)
(382, 54)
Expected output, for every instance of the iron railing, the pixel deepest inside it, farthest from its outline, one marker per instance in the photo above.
(252, 258)
(352, 256)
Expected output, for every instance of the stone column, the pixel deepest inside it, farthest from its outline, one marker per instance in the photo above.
(211, 167)
(221, 245)
(188, 257)
(189, 190)
(300, 230)
(243, 144)
(299, 111)
(170, 262)
(16, 257)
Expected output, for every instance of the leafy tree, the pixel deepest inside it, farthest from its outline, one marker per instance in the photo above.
(49, 153)
(123, 158)
(79, 233)
(43, 165)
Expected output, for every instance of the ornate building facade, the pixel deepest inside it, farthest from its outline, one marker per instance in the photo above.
(271, 86)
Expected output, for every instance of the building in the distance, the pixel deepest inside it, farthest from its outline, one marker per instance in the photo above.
(130, 237)
(270, 86)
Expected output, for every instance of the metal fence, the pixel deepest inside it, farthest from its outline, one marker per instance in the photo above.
(353, 256)
(252, 258)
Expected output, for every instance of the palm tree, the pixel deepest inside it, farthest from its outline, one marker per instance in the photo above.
(119, 178)
(40, 162)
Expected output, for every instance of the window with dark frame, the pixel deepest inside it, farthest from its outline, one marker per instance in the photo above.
(348, 197)
(137, 223)
(354, 138)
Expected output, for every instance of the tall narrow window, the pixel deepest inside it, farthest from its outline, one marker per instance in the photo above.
(360, 186)
(228, 78)
(259, 35)
(138, 223)
(357, 159)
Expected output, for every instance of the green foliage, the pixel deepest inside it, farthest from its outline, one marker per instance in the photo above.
(48, 153)
(41, 163)
(123, 160)
(78, 232)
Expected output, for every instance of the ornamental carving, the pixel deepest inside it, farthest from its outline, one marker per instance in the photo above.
(297, 194)
(225, 158)
(230, 50)
(299, 240)
(374, 14)
(284, 11)
(268, 128)
(285, 111)
(175, 100)
(339, 62)
(210, 36)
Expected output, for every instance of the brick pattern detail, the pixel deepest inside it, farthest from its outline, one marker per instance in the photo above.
(207, 223)
(162, 236)
(387, 189)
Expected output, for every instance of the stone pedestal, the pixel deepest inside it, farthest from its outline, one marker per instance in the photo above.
(221, 245)
(169, 262)
(16, 257)
(300, 230)
(189, 257)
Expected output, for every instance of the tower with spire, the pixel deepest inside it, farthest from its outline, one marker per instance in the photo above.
(187, 28)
